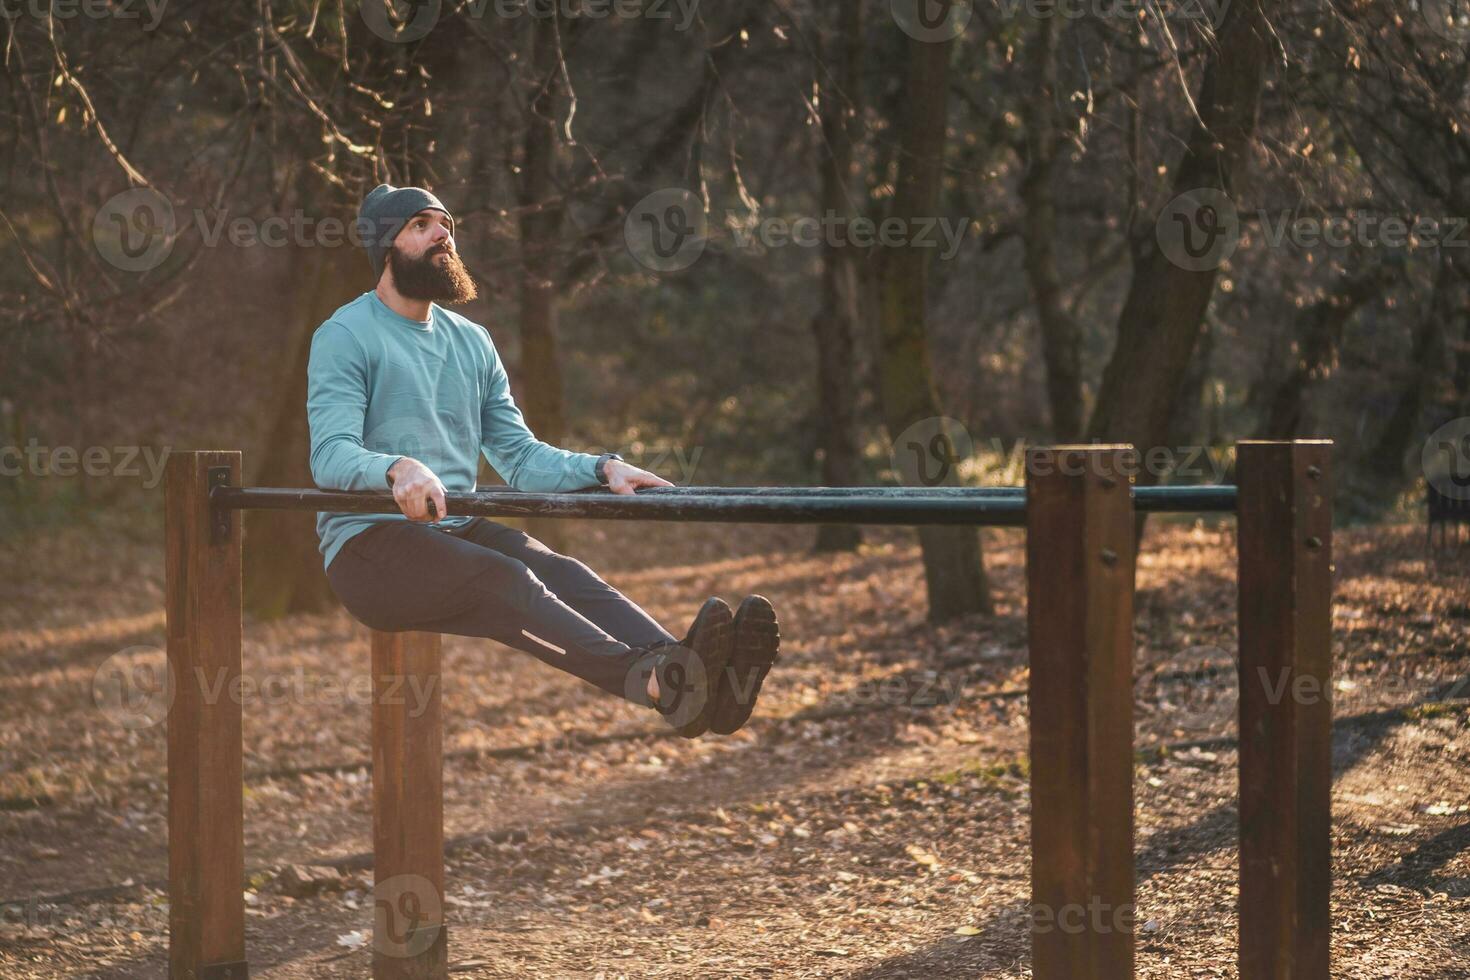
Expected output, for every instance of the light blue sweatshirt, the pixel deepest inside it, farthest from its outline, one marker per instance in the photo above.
(381, 386)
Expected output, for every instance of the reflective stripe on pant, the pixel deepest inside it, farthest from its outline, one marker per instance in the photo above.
(488, 579)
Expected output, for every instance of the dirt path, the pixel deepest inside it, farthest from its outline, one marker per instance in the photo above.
(891, 841)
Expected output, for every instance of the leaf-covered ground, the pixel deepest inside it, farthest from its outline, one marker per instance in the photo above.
(871, 821)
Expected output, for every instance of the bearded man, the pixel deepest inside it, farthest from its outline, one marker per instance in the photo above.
(405, 394)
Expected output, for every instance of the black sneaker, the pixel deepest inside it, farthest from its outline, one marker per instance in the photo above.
(757, 647)
(689, 672)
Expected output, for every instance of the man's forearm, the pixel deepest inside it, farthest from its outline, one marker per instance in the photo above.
(340, 464)
(542, 468)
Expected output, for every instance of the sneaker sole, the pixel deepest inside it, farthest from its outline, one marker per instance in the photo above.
(757, 648)
(711, 638)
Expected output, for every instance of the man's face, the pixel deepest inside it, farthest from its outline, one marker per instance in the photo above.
(425, 264)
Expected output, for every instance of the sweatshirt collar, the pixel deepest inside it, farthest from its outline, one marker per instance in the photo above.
(388, 313)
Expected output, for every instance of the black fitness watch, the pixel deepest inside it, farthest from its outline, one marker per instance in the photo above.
(601, 470)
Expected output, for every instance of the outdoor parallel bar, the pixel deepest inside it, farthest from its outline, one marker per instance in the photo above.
(997, 506)
(1078, 510)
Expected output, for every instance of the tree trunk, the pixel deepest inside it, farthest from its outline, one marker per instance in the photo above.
(1318, 332)
(282, 562)
(1458, 402)
(1184, 428)
(540, 391)
(835, 323)
(953, 565)
(1061, 336)
(1384, 463)
(1161, 318)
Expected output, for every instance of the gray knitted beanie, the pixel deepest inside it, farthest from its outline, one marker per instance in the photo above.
(383, 214)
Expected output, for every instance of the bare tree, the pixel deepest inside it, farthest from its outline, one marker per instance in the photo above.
(1161, 318)
(954, 569)
(836, 323)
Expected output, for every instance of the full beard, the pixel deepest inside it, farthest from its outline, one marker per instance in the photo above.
(447, 282)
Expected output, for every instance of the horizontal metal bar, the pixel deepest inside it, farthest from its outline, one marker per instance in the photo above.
(895, 493)
(1155, 500)
(995, 506)
(648, 506)
(1206, 499)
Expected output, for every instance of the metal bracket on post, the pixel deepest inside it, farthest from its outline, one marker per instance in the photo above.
(224, 971)
(219, 523)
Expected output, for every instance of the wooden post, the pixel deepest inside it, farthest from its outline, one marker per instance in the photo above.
(1079, 572)
(1285, 515)
(206, 844)
(409, 940)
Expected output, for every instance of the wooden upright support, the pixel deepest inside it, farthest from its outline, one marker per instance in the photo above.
(1285, 709)
(1079, 571)
(206, 844)
(409, 940)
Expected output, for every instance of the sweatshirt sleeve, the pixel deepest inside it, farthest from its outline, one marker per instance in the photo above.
(522, 460)
(336, 407)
